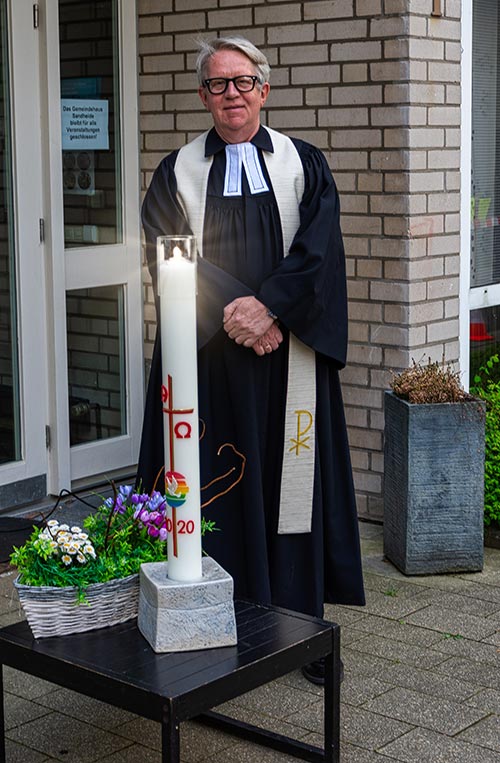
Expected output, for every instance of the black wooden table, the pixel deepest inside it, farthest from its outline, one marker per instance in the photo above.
(117, 665)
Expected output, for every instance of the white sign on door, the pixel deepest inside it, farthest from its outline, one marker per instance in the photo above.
(84, 124)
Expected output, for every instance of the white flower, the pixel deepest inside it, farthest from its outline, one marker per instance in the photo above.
(64, 527)
(81, 558)
(66, 560)
(76, 530)
(52, 523)
(89, 549)
(82, 536)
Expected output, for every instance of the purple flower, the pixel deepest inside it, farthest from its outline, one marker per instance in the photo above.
(125, 491)
(153, 531)
(119, 507)
(157, 501)
(163, 533)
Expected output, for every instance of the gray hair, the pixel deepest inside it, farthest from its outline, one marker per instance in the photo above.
(242, 45)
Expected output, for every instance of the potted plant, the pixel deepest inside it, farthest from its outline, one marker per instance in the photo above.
(486, 385)
(62, 566)
(433, 472)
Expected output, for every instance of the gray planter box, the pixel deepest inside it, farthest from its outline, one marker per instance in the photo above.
(434, 486)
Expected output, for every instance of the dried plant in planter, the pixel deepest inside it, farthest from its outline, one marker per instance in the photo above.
(431, 383)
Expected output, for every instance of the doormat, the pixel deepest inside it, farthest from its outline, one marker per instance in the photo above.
(14, 531)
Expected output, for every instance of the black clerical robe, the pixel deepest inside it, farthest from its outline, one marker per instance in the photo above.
(242, 396)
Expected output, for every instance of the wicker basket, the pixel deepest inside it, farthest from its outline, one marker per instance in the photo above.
(53, 611)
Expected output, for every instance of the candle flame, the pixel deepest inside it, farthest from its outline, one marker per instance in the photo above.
(177, 253)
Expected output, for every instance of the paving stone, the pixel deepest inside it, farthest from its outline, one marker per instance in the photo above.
(489, 576)
(86, 709)
(451, 621)
(400, 588)
(350, 635)
(375, 581)
(357, 726)
(395, 607)
(371, 731)
(463, 647)
(429, 682)
(134, 754)
(371, 530)
(486, 733)
(276, 699)
(261, 720)
(493, 639)
(18, 753)
(469, 670)
(459, 583)
(336, 613)
(25, 685)
(364, 664)
(67, 739)
(197, 742)
(250, 753)
(469, 588)
(487, 699)
(356, 690)
(378, 565)
(310, 718)
(397, 651)
(297, 681)
(468, 604)
(399, 630)
(19, 710)
(422, 710)
(349, 753)
(425, 746)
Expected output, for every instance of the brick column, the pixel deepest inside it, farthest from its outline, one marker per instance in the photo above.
(375, 85)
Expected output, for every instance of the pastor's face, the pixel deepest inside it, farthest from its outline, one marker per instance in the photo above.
(236, 115)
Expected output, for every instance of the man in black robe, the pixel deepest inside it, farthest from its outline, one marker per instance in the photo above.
(252, 297)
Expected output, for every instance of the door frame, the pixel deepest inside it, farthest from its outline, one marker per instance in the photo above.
(27, 477)
(92, 267)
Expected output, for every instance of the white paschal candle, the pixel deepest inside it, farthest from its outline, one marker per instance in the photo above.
(177, 290)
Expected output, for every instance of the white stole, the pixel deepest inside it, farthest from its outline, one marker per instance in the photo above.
(285, 169)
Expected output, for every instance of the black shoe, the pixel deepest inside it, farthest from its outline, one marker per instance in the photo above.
(315, 672)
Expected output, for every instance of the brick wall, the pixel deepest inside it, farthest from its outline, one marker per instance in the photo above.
(375, 85)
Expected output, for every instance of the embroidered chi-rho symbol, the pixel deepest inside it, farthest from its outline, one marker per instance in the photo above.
(302, 429)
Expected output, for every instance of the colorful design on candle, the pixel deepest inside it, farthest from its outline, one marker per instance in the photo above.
(176, 488)
(176, 491)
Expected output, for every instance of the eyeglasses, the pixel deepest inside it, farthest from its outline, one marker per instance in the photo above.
(219, 85)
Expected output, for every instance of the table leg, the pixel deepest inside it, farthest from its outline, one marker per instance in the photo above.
(332, 702)
(170, 738)
(2, 722)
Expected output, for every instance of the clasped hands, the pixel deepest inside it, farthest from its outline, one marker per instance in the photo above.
(246, 320)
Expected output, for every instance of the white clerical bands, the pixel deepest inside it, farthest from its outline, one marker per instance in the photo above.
(240, 155)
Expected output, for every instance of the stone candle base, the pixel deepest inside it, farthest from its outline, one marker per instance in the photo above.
(178, 617)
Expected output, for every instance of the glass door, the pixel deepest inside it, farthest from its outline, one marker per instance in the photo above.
(95, 269)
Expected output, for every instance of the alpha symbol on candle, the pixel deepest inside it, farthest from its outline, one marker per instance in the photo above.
(180, 430)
